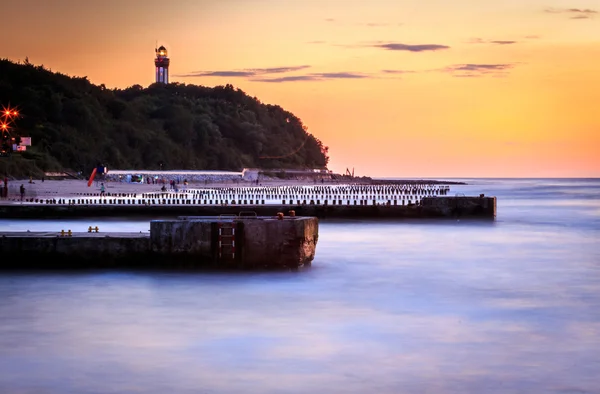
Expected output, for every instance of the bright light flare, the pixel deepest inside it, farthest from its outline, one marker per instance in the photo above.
(9, 112)
(4, 126)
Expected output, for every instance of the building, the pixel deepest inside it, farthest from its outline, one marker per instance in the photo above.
(162, 65)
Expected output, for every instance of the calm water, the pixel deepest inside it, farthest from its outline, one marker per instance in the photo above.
(511, 306)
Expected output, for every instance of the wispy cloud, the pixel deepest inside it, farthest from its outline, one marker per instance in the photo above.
(394, 74)
(313, 77)
(496, 42)
(576, 13)
(244, 73)
(395, 46)
(216, 74)
(470, 70)
(380, 24)
(397, 71)
(364, 24)
(290, 78)
(532, 37)
(341, 75)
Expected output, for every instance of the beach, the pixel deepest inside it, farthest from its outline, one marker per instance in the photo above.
(71, 187)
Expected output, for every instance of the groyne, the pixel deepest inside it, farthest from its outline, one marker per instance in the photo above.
(367, 201)
(225, 242)
(429, 207)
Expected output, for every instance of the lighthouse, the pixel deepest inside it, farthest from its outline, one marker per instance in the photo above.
(162, 65)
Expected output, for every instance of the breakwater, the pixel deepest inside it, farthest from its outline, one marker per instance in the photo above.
(225, 242)
(364, 201)
(429, 207)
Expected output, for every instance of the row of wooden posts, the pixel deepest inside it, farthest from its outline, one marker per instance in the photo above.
(146, 202)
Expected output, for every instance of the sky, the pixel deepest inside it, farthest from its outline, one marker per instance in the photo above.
(394, 88)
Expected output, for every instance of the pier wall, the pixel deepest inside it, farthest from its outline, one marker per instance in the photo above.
(461, 206)
(429, 207)
(193, 241)
(50, 250)
(290, 242)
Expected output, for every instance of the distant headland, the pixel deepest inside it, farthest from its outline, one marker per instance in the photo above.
(74, 125)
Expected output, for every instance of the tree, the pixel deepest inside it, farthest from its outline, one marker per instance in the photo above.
(75, 124)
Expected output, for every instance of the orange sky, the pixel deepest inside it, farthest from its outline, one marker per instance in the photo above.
(412, 88)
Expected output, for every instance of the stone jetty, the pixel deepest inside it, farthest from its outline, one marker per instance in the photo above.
(244, 242)
(365, 201)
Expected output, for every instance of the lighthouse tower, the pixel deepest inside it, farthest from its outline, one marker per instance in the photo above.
(162, 65)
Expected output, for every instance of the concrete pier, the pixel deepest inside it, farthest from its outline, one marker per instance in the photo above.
(428, 207)
(245, 242)
(461, 206)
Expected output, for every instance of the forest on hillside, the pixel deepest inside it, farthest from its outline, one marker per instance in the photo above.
(76, 125)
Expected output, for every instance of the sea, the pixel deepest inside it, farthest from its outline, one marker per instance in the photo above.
(452, 306)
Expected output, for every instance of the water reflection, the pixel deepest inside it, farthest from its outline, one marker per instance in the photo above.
(388, 307)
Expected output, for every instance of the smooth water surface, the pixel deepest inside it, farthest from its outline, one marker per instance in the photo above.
(510, 306)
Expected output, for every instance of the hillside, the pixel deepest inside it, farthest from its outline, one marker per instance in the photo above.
(75, 125)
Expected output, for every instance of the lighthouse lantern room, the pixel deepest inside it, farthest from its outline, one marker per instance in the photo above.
(162, 65)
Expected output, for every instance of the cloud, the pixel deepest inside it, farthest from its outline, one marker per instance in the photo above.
(290, 78)
(394, 74)
(577, 13)
(477, 41)
(313, 77)
(244, 73)
(329, 20)
(532, 37)
(585, 11)
(217, 74)
(378, 24)
(396, 71)
(278, 70)
(341, 75)
(470, 70)
(394, 46)
(497, 42)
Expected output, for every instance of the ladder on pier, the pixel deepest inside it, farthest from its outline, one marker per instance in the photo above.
(226, 240)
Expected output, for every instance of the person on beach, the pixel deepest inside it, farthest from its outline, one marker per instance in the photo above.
(102, 190)
(22, 190)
